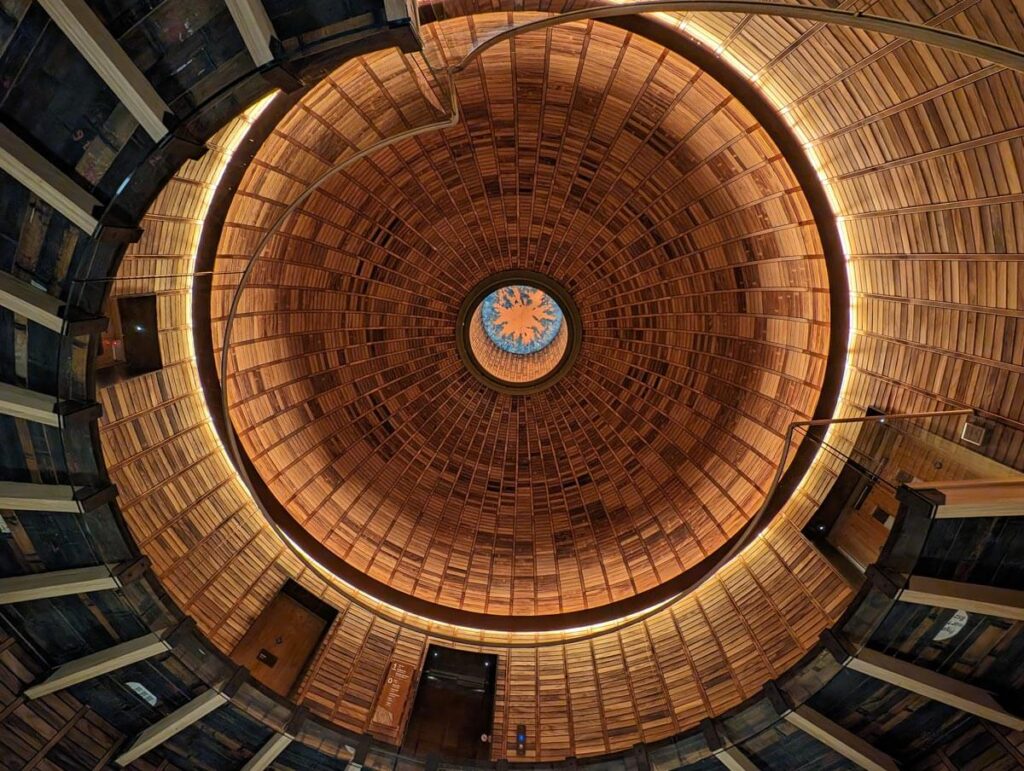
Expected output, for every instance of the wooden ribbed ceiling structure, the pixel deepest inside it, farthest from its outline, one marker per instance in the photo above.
(922, 152)
(593, 156)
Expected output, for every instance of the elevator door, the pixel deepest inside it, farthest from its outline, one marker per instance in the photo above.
(454, 705)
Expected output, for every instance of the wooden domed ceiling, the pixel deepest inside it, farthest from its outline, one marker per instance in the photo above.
(600, 160)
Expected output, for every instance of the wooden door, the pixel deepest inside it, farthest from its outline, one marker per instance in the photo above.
(280, 643)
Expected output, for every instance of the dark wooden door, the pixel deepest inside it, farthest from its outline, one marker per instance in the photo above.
(280, 643)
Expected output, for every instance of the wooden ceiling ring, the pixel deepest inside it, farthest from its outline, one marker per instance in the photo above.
(812, 188)
(555, 290)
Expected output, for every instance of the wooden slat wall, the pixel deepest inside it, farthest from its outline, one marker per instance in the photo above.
(927, 167)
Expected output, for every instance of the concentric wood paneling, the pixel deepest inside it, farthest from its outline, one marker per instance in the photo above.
(922, 149)
(616, 168)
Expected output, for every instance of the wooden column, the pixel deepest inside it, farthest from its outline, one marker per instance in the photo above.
(974, 598)
(255, 27)
(28, 496)
(846, 743)
(100, 663)
(45, 180)
(94, 41)
(933, 685)
(172, 724)
(44, 309)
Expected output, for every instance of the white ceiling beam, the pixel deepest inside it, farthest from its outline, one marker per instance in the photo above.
(255, 27)
(40, 307)
(57, 583)
(973, 598)
(933, 685)
(980, 498)
(28, 496)
(28, 405)
(837, 738)
(268, 753)
(173, 724)
(94, 41)
(734, 759)
(100, 663)
(47, 182)
(31, 302)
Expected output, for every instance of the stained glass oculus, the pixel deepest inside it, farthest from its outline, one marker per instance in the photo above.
(520, 319)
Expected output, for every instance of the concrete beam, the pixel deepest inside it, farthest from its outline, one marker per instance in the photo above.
(268, 753)
(57, 583)
(94, 41)
(734, 759)
(100, 663)
(47, 182)
(255, 27)
(846, 743)
(172, 724)
(28, 496)
(42, 308)
(955, 595)
(933, 685)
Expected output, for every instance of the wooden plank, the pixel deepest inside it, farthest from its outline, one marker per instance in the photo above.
(105, 55)
(56, 583)
(941, 688)
(172, 724)
(99, 663)
(845, 742)
(28, 405)
(734, 759)
(40, 176)
(32, 303)
(268, 753)
(955, 595)
(255, 27)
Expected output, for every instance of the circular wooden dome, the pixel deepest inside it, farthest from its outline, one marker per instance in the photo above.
(628, 176)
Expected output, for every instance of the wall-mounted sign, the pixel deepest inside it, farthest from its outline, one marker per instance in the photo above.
(393, 697)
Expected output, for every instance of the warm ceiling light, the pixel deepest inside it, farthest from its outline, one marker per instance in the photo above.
(518, 331)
